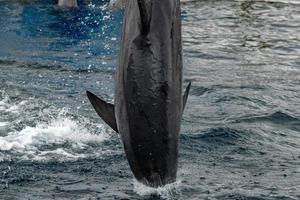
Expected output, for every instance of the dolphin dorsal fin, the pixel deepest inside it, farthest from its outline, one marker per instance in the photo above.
(105, 110)
(186, 94)
(145, 7)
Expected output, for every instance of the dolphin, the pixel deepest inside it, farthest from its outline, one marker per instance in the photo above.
(68, 3)
(148, 101)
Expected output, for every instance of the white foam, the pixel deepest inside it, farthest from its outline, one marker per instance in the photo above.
(166, 192)
(57, 132)
(56, 137)
(3, 103)
(58, 152)
(3, 124)
(7, 107)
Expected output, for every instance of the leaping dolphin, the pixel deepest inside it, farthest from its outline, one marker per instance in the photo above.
(148, 91)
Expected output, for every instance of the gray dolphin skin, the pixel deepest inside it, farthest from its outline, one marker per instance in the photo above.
(67, 3)
(148, 90)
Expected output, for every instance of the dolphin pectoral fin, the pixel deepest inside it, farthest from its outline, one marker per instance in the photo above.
(186, 94)
(105, 110)
(145, 8)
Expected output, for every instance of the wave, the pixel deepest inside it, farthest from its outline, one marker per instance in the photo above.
(58, 67)
(32, 65)
(276, 117)
(238, 86)
(296, 2)
(199, 91)
(253, 196)
(217, 136)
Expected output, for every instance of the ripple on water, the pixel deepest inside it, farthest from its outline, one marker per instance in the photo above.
(275, 117)
(222, 136)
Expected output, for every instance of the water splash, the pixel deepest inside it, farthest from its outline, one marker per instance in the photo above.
(60, 137)
(168, 191)
(45, 135)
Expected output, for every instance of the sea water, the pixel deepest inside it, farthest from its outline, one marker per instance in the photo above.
(240, 133)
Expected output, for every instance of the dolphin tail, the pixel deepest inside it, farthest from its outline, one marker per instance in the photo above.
(186, 94)
(105, 110)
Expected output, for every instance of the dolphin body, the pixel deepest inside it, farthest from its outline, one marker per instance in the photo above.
(148, 91)
(67, 3)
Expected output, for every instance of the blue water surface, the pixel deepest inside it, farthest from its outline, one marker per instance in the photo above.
(240, 133)
(43, 33)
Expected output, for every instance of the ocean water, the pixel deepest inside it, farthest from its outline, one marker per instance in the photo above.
(240, 135)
